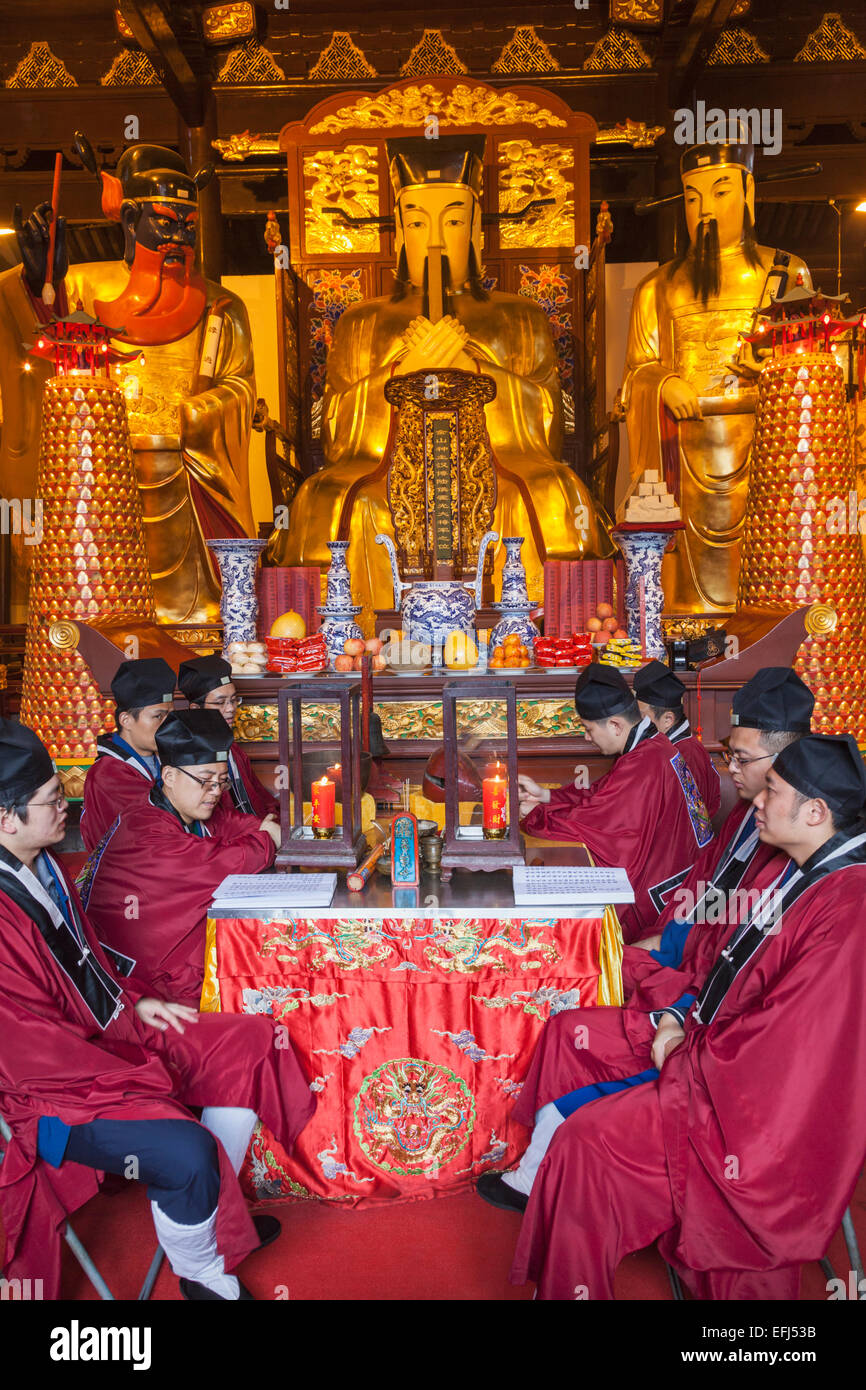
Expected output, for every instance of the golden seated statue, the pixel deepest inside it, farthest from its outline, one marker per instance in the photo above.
(440, 317)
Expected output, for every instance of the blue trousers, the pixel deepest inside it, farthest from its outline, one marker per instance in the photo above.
(178, 1160)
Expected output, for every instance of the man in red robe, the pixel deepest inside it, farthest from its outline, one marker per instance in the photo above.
(742, 1143)
(206, 681)
(127, 765)
(659, 694)
(148, 888)
(646, 815)
(95, 1071)
(768, 713)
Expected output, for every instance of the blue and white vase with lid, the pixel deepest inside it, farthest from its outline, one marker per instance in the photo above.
(338, 613)
(514, 604)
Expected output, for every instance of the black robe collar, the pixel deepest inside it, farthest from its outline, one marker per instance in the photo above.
(839, 852)
(682, 731)
(637, 734)
(238, 790)
(65, 937)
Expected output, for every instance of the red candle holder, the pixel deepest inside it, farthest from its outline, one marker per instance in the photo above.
(473, 846)
(321, 846)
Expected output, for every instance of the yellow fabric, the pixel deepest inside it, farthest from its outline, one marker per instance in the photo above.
(210, 990)
(424, 809)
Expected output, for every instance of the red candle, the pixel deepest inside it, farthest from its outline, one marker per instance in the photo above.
(494, 813)
(324, 816)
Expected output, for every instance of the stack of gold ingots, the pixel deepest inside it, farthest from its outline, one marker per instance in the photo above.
(798, 546)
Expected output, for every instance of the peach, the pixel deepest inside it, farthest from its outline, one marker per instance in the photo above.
(354, 646)
(593, 624)
(604, 610)
(601, 638)
(358, 662)
(379, 662)
(373, 645)
(610, 624)
(343, 663)
(621, 635)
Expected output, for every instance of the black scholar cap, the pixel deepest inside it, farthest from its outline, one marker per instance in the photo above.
(150, 681)
(25, 763)
(828, 766)
(657, 685)
(191, 737)
(775, 698)
(202, 674)
(601, 692)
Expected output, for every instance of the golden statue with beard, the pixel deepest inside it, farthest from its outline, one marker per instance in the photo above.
(190, 394)
(689, 390)
(440, 316)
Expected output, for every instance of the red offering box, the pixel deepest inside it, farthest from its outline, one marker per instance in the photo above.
(287, 654)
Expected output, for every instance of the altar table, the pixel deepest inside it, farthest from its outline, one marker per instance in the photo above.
(414, 1013)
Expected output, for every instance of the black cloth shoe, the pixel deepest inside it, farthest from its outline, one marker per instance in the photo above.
(200, 1293)
(268, 1229)
(491, 1187)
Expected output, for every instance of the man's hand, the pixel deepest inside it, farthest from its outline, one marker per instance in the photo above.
(271, 825)
(162, 1015)
(669, 1035)
(648, 943)
(680, 399)
(530, 794)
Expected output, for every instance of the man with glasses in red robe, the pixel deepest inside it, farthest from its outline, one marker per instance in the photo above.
(206, 681)
(148, 888)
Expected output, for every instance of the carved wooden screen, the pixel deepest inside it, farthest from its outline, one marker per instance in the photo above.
(537, 148)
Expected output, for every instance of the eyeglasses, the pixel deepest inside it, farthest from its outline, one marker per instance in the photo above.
(58, 802)
(230, 700)
(742, 763)
(205, 782)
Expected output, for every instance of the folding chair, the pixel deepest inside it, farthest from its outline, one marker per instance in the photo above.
(855, 1261)
(81, 1254)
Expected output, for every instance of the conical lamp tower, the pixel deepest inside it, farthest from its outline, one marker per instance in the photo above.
(798, 546)
(91, 560)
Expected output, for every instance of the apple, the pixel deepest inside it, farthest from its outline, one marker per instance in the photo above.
(343, 663)
(604, 610)
(358, 662)
(593, 624)
(379, 662)
(601, 638)
(354, 646)
(621, 635)
(373, 645)
(610, 625)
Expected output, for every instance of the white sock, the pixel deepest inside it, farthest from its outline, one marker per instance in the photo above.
(547, 1122)
(192, 1253)
(233, 1126)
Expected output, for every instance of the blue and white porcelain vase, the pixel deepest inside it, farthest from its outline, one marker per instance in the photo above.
(239, 604)
(338, 612)
(642, 552)
(514, 604)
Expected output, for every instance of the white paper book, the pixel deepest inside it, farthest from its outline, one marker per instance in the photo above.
(251, 893)
(568, 887)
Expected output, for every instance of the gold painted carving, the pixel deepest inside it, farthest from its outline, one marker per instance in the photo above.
(408, 106)
(410, 719)
(525, 52)
(209, 637)
(237, 148)
(347, 180)
(131, 69)
(341, 60)
(432, 56)
(72, 780)
(821, 619)
(629, 132)
(41, 68)
(536, 171)
(4, 676)
(250, 63)
(736, 46)
(123, 28)
(222, 22)
(617, 51)
(831, 42)
(648, 12)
